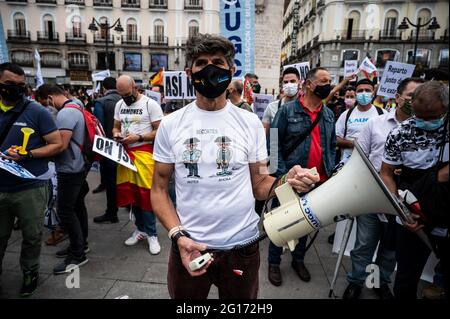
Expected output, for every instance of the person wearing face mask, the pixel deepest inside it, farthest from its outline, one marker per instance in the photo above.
(419, 146)
(349, 97)
(24, 198)
(290, 88)
(136, 121)
(351, 122)
(306, 135)
(371, 229)
(215, 207)
(234, 94)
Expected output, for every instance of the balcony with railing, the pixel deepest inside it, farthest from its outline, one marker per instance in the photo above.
(131, 3)
(23, 61)
(47, 36)
(75, 37)
(98, 38)
(51, 63)
(21, 1)
(131, 39)
(389, 34)
(352, 35)
(16, 35)
(46, 2)
(193, 5)
(103, 3)
(424, 34)
(77, 2)
(158, 4)
(158, 41)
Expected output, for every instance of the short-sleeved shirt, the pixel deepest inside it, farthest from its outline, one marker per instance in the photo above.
(39, 119)
(355, 123)
(413, 147)
(271, 111)
(138, 117)
(214, 193)
(71, 160)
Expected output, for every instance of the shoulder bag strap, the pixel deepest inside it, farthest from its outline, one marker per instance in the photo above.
(346, 120)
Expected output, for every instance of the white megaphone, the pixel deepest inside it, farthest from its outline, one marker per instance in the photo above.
(355, 190)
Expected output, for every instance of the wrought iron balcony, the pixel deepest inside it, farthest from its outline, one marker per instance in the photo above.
(353, 35)
(103, 3)
(16, 35)
(158, 40)
(158, 4)
(77, 2)
(389, 34)
(46, 1)
(193, 5)
(47, 36)
(131, 3)
(131, 39)
(75, 37)
(99, 39)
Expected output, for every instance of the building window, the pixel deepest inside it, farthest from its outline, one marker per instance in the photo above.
(76, 27)
(20, 27)
(101, 61)
(23, 58)
(349, 55)
(385, 55)
(51, 59)
(158, 61)
(422, 58)
(132, 61)
(352, 25)
(78, 60)
(158, 31)
(49, 27)
(193, 28)
(131, 30)
(390, 24)
(443, 58)
(423, 16)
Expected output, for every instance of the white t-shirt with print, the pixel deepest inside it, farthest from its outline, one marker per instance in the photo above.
(138, 117)
(211, 151)
(356, 122)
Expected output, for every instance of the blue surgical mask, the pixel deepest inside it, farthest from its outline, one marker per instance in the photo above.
(429, 125)
(364, 98)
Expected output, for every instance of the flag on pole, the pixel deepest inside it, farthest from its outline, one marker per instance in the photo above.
(158, 78)
(368, 69)
(39, 78)
(248, 92)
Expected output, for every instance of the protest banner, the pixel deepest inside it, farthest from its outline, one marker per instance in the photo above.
(100, 76)
(178, 86)
(156, 96)
(350, 67)
(303, 69)
(14, 168)
(260, 102)
(113, 150)
(393, 74)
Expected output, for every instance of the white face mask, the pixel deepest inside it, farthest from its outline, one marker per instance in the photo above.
(290, 89)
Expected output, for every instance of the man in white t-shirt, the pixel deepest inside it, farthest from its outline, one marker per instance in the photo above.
(136, 120)
(215, 201)
(351, 122)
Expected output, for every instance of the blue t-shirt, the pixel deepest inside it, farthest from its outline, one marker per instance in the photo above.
(39, 119)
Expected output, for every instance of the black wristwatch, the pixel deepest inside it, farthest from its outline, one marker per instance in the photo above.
(141, 138)
(179, 234)
(29, 155)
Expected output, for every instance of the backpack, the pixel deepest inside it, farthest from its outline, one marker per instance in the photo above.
(92, 127)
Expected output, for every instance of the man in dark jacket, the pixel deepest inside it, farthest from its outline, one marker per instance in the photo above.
(299, 145)
(104, 111)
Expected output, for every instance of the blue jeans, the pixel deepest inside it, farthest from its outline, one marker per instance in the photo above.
(145, 221)
(369, 231)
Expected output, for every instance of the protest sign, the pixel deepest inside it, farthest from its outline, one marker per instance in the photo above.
(100, 76)
(14, 168)
(303, 69)
(260, 102)
(393, 74)
(178, 86)
(154, 96)
(113, 150)
(350, 67)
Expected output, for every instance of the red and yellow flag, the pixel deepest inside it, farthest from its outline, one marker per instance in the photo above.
(158, 78)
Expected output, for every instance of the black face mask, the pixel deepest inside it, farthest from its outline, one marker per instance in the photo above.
(322, 91)
(211, 81)
(130, 99)
(11, 92)
(256, 88)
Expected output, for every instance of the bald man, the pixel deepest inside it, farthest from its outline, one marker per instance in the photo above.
(136, 120)
(234, 94)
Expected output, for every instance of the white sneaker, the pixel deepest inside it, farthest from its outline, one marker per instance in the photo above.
(135, 238)
(153, 245)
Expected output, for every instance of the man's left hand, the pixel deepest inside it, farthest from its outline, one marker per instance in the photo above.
(130, 139)
(301, 179)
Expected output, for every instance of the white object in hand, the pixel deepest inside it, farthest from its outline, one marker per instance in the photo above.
(199, 262)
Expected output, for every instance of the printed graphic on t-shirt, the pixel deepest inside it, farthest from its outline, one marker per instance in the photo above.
(224, 155)
(191, 156)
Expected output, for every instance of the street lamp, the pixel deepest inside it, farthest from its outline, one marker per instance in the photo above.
(105, 26)
(404, 25)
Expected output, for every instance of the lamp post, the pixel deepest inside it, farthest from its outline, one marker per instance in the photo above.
(404, 25)
(105, 26)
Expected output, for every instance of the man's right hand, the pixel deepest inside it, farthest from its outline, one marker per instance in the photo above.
(189, 250)
(416, 226)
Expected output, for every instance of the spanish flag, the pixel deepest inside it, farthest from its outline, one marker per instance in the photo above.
(133, 188)
(158, 78)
